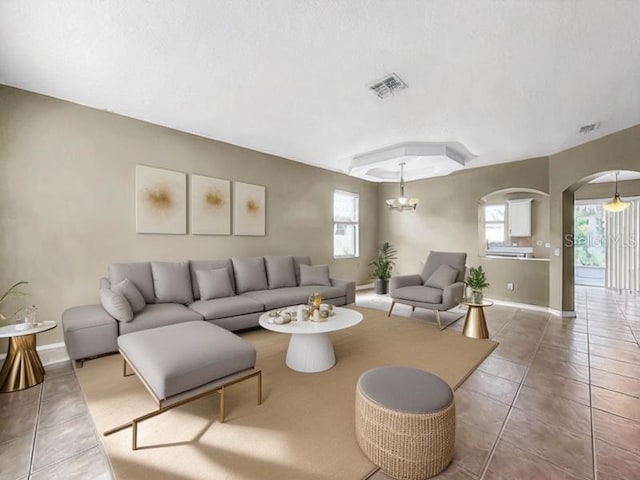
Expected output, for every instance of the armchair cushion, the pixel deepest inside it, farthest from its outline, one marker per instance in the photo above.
(444, 276)
(456, 260)
(419, 293)
(400, 281)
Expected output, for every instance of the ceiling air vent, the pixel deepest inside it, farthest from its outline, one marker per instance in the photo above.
(387, 85)
(589, 128)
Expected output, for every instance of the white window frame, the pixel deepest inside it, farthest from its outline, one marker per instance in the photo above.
(356, 223)
(504, 222)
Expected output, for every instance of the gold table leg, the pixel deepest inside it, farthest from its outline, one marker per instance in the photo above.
(22, 368)
(475, 325)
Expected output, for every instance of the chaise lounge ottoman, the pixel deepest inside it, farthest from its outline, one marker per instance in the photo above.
(183, 362)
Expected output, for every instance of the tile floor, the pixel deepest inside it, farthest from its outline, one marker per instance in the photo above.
(558, 399)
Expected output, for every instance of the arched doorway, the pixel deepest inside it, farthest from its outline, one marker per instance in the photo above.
(568, 224)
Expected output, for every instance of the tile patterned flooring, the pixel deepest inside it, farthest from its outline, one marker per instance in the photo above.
(558, 399)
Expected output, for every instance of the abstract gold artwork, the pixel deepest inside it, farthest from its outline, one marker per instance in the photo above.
(161, 201)
(210, 205)
(249, 209)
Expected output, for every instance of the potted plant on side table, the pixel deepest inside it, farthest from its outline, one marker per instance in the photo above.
(476, 281)
(382, 266)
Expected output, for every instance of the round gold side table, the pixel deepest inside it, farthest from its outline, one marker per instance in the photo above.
(22, 368)
(475, 325)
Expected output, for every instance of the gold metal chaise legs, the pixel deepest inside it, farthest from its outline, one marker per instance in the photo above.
(220, 389)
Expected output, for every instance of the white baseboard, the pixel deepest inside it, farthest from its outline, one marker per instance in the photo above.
(365, 286)
(562, 313)
(537, 308)
(49, 354)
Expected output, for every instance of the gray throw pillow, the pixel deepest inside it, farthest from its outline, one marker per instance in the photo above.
(214, 283)
(128, 290)
(116, 305)
(250, 274)
(314, 275)
(280, 272)
(172, 282)
(444, 276)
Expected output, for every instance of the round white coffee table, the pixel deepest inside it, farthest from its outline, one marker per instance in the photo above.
(310, 348)
(22, 367)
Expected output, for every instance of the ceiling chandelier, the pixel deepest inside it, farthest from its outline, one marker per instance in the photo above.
(616, 204)
(402, 203)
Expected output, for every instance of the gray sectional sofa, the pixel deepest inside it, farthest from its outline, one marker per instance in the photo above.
(167, 293)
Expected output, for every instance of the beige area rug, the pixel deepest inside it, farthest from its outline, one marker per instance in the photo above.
(303, 430)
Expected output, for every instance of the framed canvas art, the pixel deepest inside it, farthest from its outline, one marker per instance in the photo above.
(210, 205)
(249, 209)
(161, 201)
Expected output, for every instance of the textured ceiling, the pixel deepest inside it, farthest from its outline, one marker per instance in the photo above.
(507, 79)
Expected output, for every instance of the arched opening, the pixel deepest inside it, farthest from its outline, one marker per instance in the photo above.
(617, 243)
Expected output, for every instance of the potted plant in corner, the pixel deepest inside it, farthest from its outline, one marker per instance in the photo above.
(382, 266)
(476, 281)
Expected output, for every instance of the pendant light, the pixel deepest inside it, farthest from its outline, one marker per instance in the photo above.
(616, 204)
(402, 203)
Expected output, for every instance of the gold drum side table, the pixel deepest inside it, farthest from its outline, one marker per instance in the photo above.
(475, 325)
(22, 367)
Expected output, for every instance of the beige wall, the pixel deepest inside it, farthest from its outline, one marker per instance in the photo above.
(568, 171)
(67, 206)
(629, 188)
(447, 219)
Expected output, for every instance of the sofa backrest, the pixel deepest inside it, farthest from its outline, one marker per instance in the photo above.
(250, 274)
(281, 272)
(139, 273)
(456, 260)
(195, 265)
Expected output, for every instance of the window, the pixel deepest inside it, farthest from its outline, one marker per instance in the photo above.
(494, 226)
(345, 224)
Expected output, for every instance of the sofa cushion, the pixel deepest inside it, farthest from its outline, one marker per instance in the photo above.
(172, 282)
(104, 283)
(138, 273)
(444, 276)
(314, 275)
(280, 272)
(285, 297)
(195, 265)
(116, 305)
(128, 290)
(297, 261)
(158, 315)
(226, 307)
(419, 294)
(250, 274)
(214, 283)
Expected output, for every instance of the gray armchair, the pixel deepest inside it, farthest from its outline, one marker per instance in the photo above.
(440, 287)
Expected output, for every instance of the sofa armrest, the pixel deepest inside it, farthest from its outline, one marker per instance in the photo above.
(400, 281)
(349, 289)
(452, 295)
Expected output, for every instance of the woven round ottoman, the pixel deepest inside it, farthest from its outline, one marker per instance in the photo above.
(405, 421)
